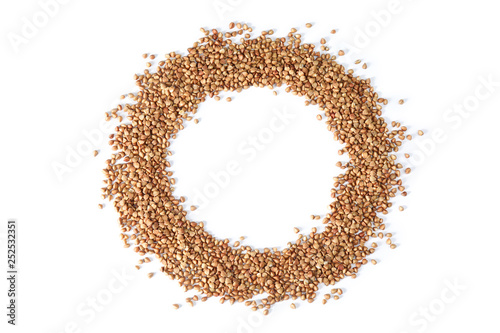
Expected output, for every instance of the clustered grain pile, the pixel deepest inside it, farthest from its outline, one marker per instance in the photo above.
(154, 221)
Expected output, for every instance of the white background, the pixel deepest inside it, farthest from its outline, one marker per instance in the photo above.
(57, 84)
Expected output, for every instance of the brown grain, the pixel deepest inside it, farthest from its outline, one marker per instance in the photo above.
(139, 177)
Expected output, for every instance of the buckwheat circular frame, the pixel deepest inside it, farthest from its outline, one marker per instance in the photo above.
(154, 221)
